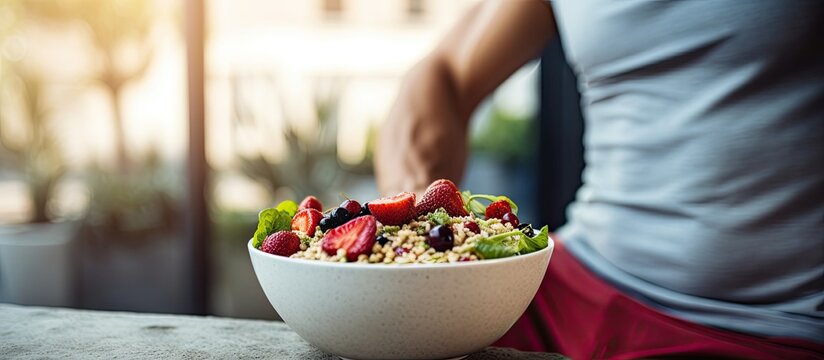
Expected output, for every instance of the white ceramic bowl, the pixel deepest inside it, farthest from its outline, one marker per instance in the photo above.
(412, 311)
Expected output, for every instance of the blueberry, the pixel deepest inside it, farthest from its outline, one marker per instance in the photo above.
(340, 215)
(326, 224)
(440, 238)
(527, 229)
(364, 210)
(382, 239)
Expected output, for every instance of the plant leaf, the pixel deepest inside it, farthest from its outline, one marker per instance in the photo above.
(288, 206)
(537, 242)
(473, 206)
(512, 243)
(495, 247)
(270, 221)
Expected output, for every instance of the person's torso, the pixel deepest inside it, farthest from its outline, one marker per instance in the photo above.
(704, 145)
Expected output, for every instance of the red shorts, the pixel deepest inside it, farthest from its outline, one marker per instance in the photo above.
(581, 316)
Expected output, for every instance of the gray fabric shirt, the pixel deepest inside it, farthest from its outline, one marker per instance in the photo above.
(703, 188)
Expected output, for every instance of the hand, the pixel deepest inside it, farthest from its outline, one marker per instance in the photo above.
(424, 137)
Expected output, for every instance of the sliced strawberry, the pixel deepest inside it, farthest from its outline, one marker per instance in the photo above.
(442, 194)
(497, 209)
(394, 210)
(356, 237)
(307, 220)
(283, 243)
(310, 202)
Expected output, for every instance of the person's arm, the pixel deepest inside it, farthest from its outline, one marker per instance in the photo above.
(425, 136)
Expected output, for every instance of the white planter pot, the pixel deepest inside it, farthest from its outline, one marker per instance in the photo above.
(37, 264)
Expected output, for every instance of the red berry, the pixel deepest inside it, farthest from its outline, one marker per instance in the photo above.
(307, 220)
(472, 226)
(441, 194)
(352, 206)
(446, 182)
(283, 243)
(310, 202)
(497, 209)
(394, 210)
(356, 237)
(510, 218)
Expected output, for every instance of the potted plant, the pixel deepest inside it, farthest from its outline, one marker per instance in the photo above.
(36, 256)
(133, 258)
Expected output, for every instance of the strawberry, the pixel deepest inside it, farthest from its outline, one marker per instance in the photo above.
(442, 194)
(394, 210)
(283, 243)
(356, 237)
(307, 220)
(497, 209)
(446, 182)
(310, 202)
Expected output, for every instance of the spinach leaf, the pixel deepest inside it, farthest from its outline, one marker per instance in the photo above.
(269, 221)
(512, 243)
(498, 246)
(289, 206)
(534, 243)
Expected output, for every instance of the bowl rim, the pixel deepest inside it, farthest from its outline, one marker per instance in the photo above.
(351, 265)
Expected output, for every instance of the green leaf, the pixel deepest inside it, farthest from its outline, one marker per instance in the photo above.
(271, 220)
(499, 246)
(473, 206)
(440, 217)
(512, 243)
(476, 207)
(536, 242)
(282, 222)
(289, 206)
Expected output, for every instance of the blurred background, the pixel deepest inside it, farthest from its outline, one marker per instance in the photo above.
(100, 167)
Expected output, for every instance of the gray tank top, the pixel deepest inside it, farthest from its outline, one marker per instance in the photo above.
(703, 187)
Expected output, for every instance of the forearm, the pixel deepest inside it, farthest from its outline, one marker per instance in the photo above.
(431, 86)
(425, 136)
(493, 40)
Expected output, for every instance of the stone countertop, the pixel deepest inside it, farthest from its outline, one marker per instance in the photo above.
(40, 332)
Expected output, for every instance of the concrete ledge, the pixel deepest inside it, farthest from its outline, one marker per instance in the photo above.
(40, 332)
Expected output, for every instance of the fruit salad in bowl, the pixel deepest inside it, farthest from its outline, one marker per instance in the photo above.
(440, 276)
(444, 226)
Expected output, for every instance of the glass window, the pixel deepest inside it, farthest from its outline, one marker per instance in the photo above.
(93, 124)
